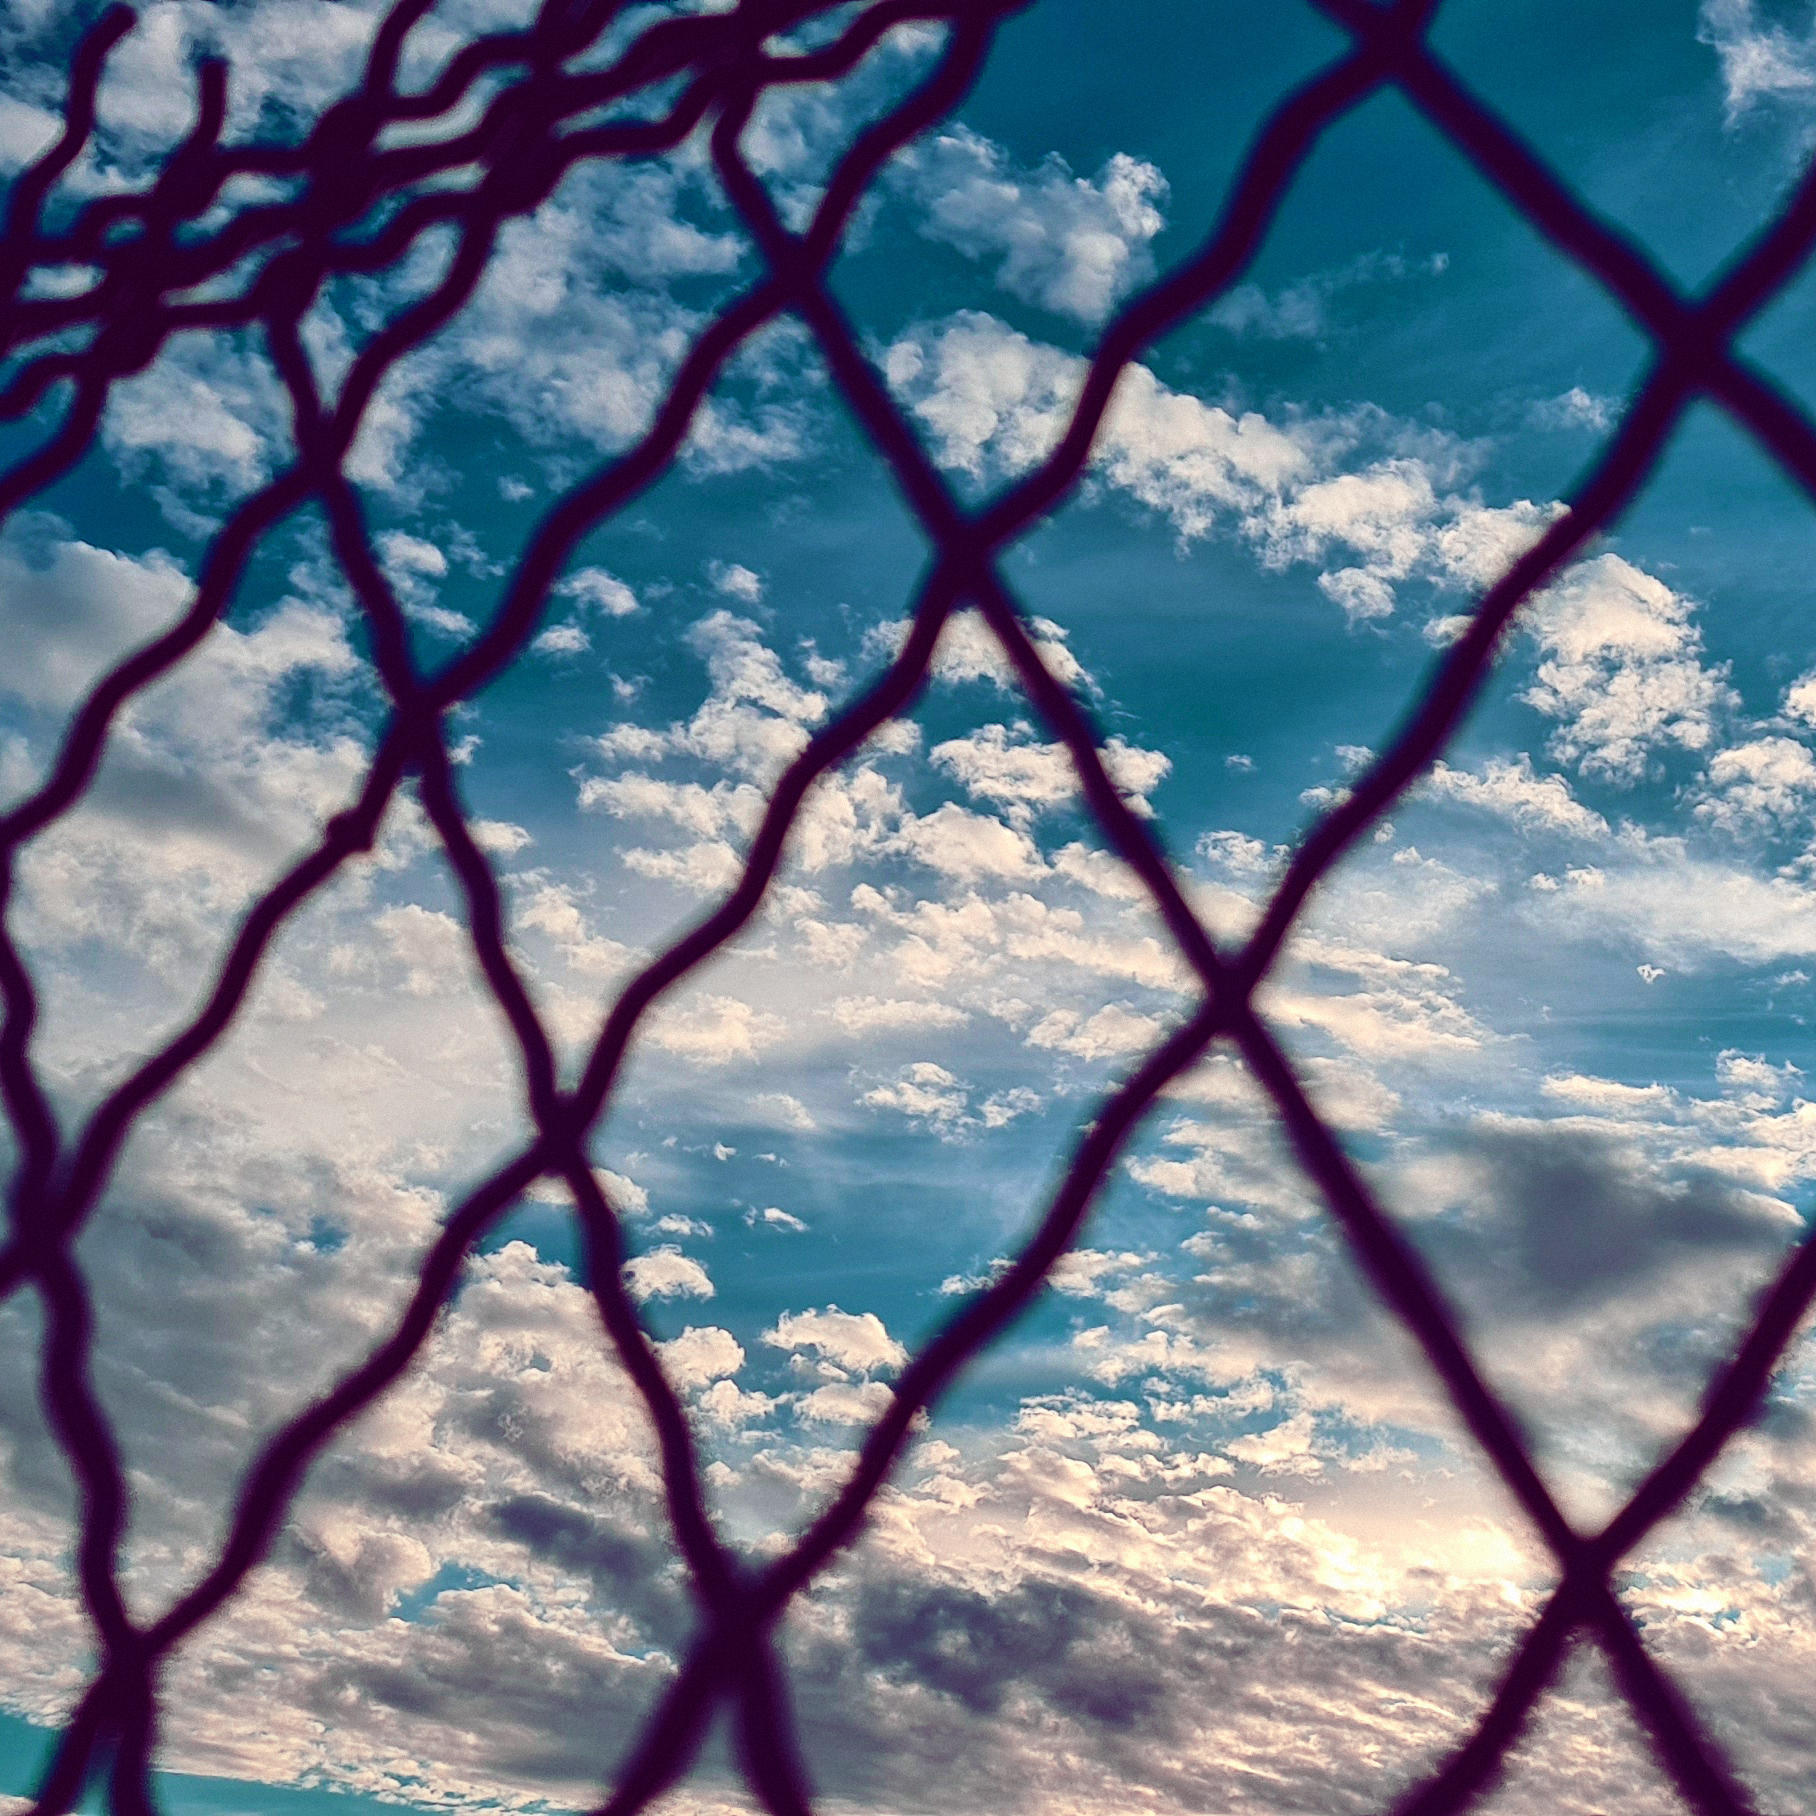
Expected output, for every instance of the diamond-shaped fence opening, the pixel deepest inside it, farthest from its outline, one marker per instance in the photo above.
(551, 101)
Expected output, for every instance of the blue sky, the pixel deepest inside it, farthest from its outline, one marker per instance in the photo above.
(1200, 1534)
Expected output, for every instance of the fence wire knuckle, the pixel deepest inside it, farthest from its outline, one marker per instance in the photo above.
(164, 256)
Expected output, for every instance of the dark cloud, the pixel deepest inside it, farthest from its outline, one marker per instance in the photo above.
(1057, 1640)
(1570, 1216)
(633, 1568)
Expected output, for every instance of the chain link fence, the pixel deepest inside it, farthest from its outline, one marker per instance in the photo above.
(357, 204)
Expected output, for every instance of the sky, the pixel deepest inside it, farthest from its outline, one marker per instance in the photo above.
(1201, 1532)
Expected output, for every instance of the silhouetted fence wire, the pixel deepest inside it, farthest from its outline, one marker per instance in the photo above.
(358, 207)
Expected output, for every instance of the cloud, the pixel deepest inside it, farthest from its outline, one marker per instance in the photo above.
(736, 581)
(25, 131)
(1509, 788)
(775, 1218)
(873, 1015)
(967, 650)
(1621, 670)
(1073, 245)
(752, 722)
(968, 846)
(434, 948)
(856, 1341)
(1574, 409)
(716, 1031)
(701, 1354)
(1659, 898)
(74, 610)
(845, 1403)
(786, 1110)
(1761, 59)
(1764, 782)
(666, 1273)
(1008, 768)
(1373, 501)
(1112, 1032)
(925, 1091)
(208, 414)
(1301, 311)
(1800, 699)
(602, 592)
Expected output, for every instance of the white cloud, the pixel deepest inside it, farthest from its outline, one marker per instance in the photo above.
(603, 592)
(701, 1354)
(785, 1109)
(1403, 1009)
(715, 1031)
(1655, 895)
(845, 1403)
(1621, 669)
(1074, 245)
(666, 1273)
(74, 610)
(562, 640)
(1285, 1450)
(753, 720)
(856, 1341)
(873, 1015)
(736, 581)
(1760, 59)
(925, 1091)
(731, 1407)
(503, 837)
(967, 650)
(435, 949)
(1767, 781)
(997, 764)
(25, 131)
(1574, 409)
(1511, 789)
(968, 846)
(1800, 699)
(1108, 1034)
(994, 402)
(775, 1218)
(208, 413)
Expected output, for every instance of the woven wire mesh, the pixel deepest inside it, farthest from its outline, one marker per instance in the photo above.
(157, 248)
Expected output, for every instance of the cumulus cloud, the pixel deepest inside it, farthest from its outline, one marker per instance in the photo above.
(1764, 782)
(598, 590)
(1112, 1032)
(925, 1091)
(701, 1354)
(666, 1273)
(716, 1031)
(1510, 788)
(993, 402)
(1761, 57)
(1621, 670)
(855, 1341)
(74, 610)
(1574, 409)
(967, 650)
(752, 722)
(1684, 907)
(1074, 245)
(875, 1015)
(970, 846)
(433, 947)
(1005, 765)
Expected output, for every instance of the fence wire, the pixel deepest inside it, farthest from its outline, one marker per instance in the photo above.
(357, 206)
